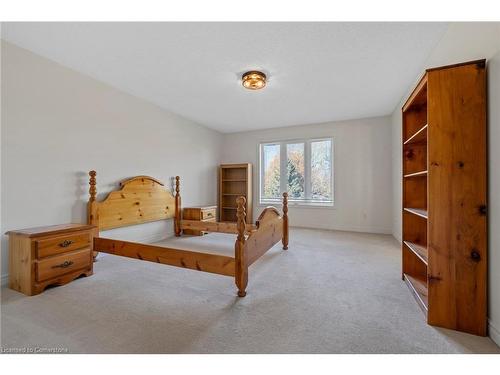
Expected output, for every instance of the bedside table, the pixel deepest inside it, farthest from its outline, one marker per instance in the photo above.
(52, 255)
(207, 213)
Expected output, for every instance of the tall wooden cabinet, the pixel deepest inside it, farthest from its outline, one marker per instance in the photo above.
(234, 180)
(444, 196)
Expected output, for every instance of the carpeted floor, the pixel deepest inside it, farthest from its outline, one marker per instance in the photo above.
(331, 292)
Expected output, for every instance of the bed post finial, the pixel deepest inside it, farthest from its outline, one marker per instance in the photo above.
(240, 255)
(92, 183)
(284, 240)
(177, 219)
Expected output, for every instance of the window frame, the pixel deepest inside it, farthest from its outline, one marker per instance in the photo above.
(307, 172)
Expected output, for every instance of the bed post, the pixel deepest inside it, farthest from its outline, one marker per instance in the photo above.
(284, 240)
(92, 217)
(177, 219)
(240, 255)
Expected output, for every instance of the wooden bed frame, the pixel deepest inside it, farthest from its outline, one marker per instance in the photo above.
(143, 199)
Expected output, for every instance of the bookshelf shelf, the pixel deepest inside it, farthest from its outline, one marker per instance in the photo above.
(416, 174)
(417, 211)
(419, 289)
(419, 250)
(419, 137)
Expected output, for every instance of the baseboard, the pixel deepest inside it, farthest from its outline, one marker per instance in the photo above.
(349, 229)
(494, 333)
(5, 280)
(397, 238)
(154, 238)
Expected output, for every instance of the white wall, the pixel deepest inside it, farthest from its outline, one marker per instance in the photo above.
(58, 124)
(362, 170)
(397, 170)
(465, 42)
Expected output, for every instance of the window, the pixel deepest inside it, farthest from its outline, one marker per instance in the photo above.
(271, 171)
(303, 168)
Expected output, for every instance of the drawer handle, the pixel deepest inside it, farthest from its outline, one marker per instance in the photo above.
(65, 243)
(66, 264)
(209, 214)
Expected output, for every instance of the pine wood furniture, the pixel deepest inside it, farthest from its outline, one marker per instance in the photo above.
(205, 214)
(235, 180)
(444, 196)
(143, 199)
(52, 255)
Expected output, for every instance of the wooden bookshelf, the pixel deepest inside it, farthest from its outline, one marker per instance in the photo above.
(234, 180)
(444, 196)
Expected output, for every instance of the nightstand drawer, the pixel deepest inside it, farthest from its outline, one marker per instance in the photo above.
(62, 244)
(208, 214)
(59, 265)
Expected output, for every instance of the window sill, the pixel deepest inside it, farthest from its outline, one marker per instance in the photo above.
(295, 204)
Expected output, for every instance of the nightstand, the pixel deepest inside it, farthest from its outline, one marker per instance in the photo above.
(52, 255)
(207, 213)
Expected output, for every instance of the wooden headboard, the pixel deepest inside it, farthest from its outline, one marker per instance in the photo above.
(139, 200)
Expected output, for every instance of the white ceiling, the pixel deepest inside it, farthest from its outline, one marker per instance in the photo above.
(318, 72)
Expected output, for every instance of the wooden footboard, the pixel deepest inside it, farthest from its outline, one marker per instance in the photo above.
(268, 234)
(271, 228)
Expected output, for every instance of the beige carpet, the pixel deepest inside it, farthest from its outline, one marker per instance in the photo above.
(331, 292)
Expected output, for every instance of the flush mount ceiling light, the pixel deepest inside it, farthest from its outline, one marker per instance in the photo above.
(254, 80)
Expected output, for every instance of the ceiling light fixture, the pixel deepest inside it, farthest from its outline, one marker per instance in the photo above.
(254, 80)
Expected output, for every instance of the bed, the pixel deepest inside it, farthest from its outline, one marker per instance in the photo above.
(143, 199)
